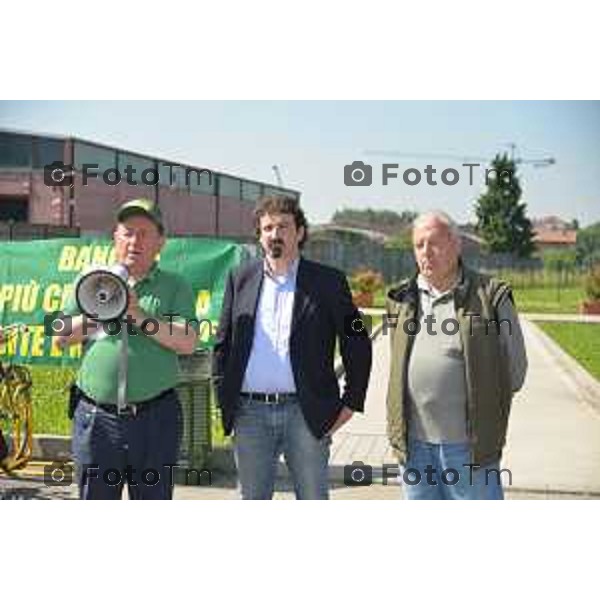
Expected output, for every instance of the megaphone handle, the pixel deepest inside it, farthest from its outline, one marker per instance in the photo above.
(122, 374)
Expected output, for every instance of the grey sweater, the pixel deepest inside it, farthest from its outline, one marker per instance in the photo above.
(436, 368)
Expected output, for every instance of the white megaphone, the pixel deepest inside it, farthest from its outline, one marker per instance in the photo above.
(102, 293)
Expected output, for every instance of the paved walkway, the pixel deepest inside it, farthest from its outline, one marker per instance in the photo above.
(364, 437)
(554, 433)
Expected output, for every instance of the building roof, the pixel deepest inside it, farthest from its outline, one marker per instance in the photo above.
(379, 236)
(142, 155)
(375, 236)
(553, 230)
(567, 237)
(469, 236)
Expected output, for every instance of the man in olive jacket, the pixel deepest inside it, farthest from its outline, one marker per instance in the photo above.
(457, 358)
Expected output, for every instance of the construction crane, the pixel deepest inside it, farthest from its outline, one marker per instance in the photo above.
(278, 175)
(535, 162)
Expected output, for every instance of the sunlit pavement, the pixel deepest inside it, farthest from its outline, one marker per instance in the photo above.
(29, 484)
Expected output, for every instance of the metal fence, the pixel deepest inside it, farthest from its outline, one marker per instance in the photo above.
(392, 264)
(396, 264)
(195, 396)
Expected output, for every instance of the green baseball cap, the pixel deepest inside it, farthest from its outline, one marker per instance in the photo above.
(141, 206)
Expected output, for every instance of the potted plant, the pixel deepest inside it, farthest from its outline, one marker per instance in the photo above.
(365, 283)
(591, 306)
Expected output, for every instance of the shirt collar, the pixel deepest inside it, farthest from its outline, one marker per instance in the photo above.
(425, 286)
(150, 275)
(290, 275)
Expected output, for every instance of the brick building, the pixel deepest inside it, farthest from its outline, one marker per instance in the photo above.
(194, 201)
(553, 233)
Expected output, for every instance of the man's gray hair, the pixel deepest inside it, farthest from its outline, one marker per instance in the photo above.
(442, 217)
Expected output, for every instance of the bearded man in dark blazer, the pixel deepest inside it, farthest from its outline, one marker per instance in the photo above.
(274, 358)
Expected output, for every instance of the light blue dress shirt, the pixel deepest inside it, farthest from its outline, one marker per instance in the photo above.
(269, 368)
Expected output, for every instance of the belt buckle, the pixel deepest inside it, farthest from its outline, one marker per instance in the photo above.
(127, 411)
(268, 398)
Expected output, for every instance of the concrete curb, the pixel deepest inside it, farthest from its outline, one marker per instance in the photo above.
(562, 318)
(585, 384)
(51, 447)
(58, 447)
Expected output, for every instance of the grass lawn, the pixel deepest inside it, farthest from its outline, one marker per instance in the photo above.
(379, 299)
(50, 397)
(549, 299)
(50, 393)
(376, 320)
(580, 340)
(539, 291)
(534, 299)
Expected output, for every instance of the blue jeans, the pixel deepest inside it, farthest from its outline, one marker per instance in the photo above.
(438, 472)
(262, 433)
(126, 450)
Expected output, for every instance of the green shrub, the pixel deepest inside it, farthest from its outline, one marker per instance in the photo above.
(592, 283)
(367, 281)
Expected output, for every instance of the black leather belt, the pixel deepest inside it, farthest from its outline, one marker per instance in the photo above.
(130, 410)
(272, 398)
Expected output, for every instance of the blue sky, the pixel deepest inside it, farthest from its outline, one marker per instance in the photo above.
(313, 141)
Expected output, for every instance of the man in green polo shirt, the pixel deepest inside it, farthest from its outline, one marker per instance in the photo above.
(136, 443)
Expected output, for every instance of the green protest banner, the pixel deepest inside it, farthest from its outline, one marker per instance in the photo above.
(37, 278)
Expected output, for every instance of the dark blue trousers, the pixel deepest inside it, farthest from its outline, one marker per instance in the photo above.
(139, 451)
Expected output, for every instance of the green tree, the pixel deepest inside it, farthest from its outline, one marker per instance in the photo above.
(588, 245)
(501, 219)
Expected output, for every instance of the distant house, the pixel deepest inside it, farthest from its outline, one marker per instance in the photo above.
(342, 232)
(552, 233)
